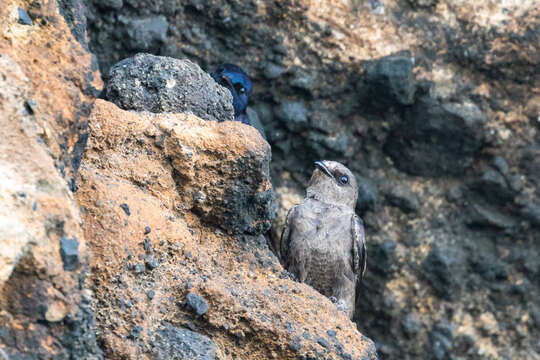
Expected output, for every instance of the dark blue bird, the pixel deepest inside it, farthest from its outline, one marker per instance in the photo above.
(237, 81)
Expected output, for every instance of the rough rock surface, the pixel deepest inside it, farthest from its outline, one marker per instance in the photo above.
(326, 87)
(172, 171)
(45, 307)
(161, 84)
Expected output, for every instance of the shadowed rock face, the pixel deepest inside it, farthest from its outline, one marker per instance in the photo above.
(337, 80)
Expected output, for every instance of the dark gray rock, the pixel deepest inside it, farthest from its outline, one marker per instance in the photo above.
(69, 251)
(411, 325)
(197, 303)
(147, 34)
(493, 187)
(293, 115)
(383, 258)
(443, 269)
(422, 3)
(126, 209)
(403, 198)
(110, 4)
(437, 139)
(390, 79)
(367, 194)
(441, 340)
(485, 215)
(273, 71)
(181, 344)
(532, 213)
(161, 84)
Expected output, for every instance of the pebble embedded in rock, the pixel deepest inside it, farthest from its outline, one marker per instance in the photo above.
(24, 19)
(152, 263)
(321, 341)
(150, 294)
(135, 332)
(147, 230)
(126, 209)
(139, 268)
(197, 303)
(69, 252)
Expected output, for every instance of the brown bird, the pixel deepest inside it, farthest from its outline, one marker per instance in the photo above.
(323, 242)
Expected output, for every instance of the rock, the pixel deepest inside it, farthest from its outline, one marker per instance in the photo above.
(494, 188)
(423, 3)
(24, 19)
(126, 209)
(178, 344)
(390, 79)
(384, 258)
(367, 194)
(403, 198)
(147, 34)
(442, 268)
(411, 325)
(135, 332)
(43, 102)
(273, 71)
(532, 212)
(197, 303)
(293, 115)
(481, 215)
(69, 251)
(173, 159)
(437, 139)
(441, 340)
(161, 84)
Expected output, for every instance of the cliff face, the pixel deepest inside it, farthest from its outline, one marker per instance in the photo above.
(433, 104)
(45, 82)
(131, 234)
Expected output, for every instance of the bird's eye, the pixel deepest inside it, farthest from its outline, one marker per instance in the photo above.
(239, 88)
(344, 179)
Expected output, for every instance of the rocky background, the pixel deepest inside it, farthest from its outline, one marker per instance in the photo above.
(434, 104)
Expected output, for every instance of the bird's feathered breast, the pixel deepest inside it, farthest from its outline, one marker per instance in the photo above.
(320, 243)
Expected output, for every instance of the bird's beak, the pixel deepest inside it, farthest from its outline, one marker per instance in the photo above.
(323, 168)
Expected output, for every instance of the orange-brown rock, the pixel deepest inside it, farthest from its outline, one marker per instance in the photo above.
(44, 312)
(140, 189)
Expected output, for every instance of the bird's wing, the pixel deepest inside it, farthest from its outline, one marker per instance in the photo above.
(285, 236)
(359, 246)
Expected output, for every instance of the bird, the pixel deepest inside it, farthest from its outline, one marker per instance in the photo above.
(234, 78)
(323, 242)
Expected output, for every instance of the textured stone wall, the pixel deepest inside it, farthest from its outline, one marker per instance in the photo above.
(433, 104)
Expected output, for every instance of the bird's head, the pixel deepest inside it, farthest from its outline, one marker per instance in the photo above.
(333, 183)
(237, 81)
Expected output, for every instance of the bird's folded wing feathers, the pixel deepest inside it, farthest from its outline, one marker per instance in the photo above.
(359, 246)
(285, 236)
